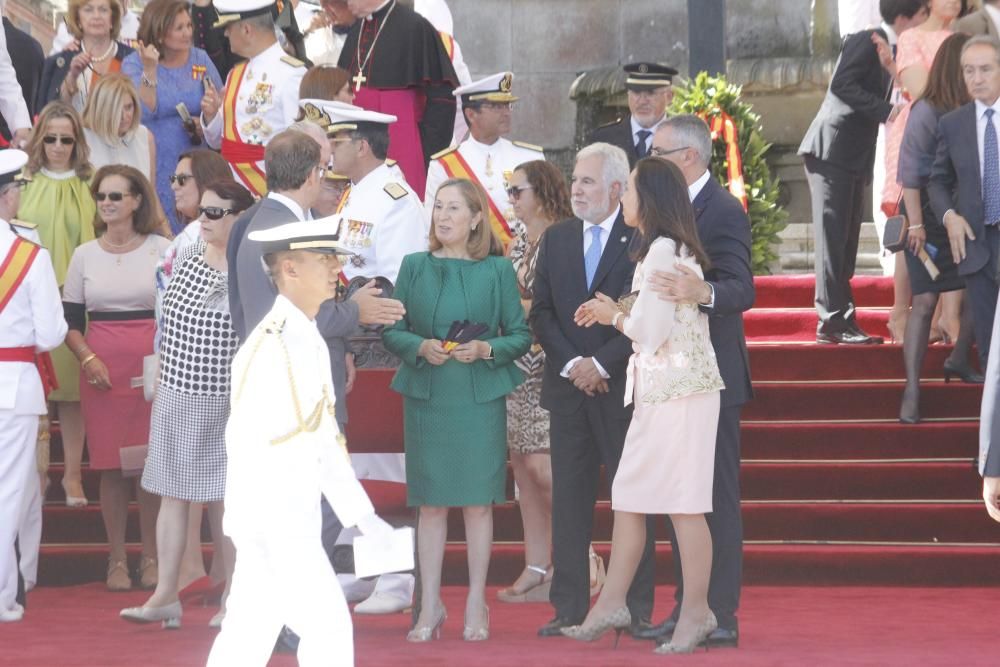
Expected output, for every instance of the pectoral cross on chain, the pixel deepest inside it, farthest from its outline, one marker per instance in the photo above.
(359, 79)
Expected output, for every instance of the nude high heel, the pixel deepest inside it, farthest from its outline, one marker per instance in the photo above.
(471, 634)
(425, 634)
(618, 620)
(707, 627)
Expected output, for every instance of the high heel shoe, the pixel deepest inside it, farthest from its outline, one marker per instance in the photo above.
(471, 634)
(149, 573)
(71, 500)
(909, 408)
(618, 620)
(707, 627)
(536, 592)
(202, 591)
(965, 373)
(597, 573)
(169, 615)
(425, 634)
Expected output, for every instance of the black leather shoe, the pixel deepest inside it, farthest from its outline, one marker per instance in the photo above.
(640, 628)
(720, 637)
(666, 628)
(853, 336)
(554, 627)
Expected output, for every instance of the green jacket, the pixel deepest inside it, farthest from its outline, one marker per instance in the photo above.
(491, 297)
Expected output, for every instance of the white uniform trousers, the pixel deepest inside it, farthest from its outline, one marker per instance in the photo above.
(18, 435)
(29, 535)
(284, 582)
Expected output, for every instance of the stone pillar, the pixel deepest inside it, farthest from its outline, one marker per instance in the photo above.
(707, 36)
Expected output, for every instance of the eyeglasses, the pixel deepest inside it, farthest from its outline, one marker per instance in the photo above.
(180, 179)
(113, 196)
(514, 192)
(215, 212)
(65, 141)
(659, 152)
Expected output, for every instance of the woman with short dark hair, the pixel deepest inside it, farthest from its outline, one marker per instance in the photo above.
(668, 460)
(108, 298)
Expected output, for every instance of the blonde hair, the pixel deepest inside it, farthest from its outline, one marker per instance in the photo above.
(80, 157)
(103, 111)
(482, 242)
(73, 18)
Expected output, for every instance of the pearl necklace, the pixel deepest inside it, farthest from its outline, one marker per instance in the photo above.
(107, 54)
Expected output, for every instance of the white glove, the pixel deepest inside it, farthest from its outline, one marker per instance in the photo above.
(375, 527)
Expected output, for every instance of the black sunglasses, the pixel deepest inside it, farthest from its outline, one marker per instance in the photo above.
(215, 212)
(113, 196)
(180, 179)
(515, 192)
(65, 141)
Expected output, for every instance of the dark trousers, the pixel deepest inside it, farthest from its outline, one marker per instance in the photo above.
(580, 443)
(837, 196)
(725, 523)
(982, 289)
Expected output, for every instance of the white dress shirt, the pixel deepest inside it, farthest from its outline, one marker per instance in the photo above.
(636, 128)
(693, 191)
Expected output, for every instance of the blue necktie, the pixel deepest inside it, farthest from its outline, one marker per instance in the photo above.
(641, 147)
(593, 256)
(991, 172)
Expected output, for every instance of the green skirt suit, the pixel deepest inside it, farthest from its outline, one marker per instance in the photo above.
(454, 415)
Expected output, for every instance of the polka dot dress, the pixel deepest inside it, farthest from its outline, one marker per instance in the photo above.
(187, 450)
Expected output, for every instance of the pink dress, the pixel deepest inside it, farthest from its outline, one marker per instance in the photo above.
(915, 47)
(668, 462)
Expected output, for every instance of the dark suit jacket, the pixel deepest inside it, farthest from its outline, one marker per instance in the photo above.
(724, 231)
(252, 294)
(560, 287)
(618, 133)
(26, 56)
(844, 130)
(57, 67)
(956, 183)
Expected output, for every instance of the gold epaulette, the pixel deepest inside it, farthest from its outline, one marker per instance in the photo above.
(440, 154)
(389, 162)
(395, 190)
(23, 224)
(293, 61)
(530, 147)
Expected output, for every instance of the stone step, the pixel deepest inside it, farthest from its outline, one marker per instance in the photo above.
(797, 245)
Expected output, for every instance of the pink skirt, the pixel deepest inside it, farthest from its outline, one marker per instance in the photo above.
(405, 146)
(118, 417)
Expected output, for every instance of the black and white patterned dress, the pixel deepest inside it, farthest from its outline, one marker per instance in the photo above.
(527, 421)
(187, 449)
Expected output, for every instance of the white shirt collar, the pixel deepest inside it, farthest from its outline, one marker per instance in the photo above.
(696, 187)
(292, 205)
(486, 148)
(994, 14)
(889, 33)
(652, 128)
(981, 109)
(606, 224)
(373, 175)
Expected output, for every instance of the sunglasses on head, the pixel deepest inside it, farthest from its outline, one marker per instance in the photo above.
(65, 141)
(215, 212)
(180, 179)
(515, 191)
(113, 196)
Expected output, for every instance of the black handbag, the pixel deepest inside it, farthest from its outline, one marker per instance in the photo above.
(894, 235)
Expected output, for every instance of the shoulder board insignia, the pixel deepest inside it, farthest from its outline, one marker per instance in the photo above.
(440, 154)
(23, 224)
(395, 190)
(530, 147)
(293, 61)
(274, 326)
(389, 162)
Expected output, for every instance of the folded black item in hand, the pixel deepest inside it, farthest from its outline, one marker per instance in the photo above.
(462, 332)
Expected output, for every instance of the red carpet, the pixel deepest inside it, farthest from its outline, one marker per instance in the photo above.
(783, 626)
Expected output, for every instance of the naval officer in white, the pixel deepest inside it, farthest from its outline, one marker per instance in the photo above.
(284, 452)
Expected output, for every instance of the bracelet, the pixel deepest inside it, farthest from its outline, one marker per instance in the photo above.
(614, 320)
(146, 81)
(90, 357)
(912, 227)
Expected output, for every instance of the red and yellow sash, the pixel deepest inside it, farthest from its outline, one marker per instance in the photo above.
(449, 44)
(12, 273)
(242, 156)
(456, 167)
(340, 207)
(723, 126)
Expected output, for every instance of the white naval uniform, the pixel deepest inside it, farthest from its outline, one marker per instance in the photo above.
(12, 106)
(284, 451)
(32, 317)
(275, 76)
(503, 157)
(392, 224)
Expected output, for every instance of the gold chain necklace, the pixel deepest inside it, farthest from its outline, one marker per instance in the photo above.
(360, 77)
